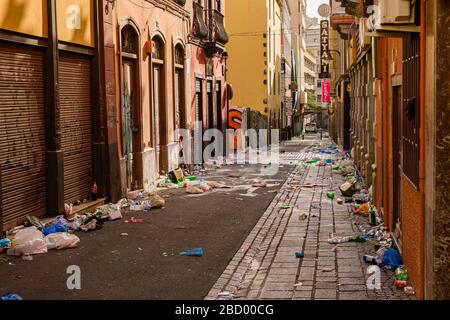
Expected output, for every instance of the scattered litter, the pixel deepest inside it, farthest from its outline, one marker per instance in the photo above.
(28, 241)
(330, 195)
(198, 252)
(258, 183)
(11, 297)
(133, 220)
(5, 243)
(303, 216)
(92, 223)
(140, 249)
(338, 239)
(191, 189)
(176, 176)
(224, 294)
(391, 259)
(74, 225)
(35, 221)
(124, 234)
(400, 284)
(61, 240)
(54, 228)
(27, 258)
(217, 185)
(234, 175)
(299, 255)
(298, 284)
(156, 201)
(363, 209)
(284, 207)
(349, 188)
(409, 291)
(401, 273)
(339, 201)
(327, 269)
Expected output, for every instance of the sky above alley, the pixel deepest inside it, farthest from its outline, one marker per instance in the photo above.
(313, 5)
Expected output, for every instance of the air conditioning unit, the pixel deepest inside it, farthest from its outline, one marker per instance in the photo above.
(392, 16)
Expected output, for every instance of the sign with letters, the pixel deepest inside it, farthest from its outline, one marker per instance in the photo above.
(324, 50)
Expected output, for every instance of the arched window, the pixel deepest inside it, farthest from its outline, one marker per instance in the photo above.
(179, 105)
(129, 40)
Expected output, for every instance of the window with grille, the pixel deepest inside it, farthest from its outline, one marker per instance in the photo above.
(411, 107)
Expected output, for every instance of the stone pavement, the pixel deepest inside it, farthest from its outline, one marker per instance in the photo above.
(265, 267)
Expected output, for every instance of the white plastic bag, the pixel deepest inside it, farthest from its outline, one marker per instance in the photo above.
(193, 190)
(61, 240)
(28, 241)
(114, 212)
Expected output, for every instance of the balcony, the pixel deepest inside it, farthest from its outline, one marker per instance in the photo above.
(200, 29)
(218, 36)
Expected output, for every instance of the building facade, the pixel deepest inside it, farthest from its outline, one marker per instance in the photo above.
(298, 25)
(390, 72)
(164, 70)
(52, 136)
(255, 61)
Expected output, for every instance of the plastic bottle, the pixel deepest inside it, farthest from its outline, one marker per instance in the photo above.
(94, 191)
(373, 218)
(401, 274)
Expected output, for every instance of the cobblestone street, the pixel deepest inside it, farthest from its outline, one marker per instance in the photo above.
(266, 266)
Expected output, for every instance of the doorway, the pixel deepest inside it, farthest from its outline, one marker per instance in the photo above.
(130, 123)
(159, 104)
(198, 132)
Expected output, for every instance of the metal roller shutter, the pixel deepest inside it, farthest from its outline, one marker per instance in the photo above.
(22, 132)
(76, 125)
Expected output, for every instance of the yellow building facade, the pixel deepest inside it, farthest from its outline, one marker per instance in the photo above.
(255, 51)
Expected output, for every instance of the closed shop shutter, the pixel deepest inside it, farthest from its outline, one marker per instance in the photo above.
(76, 125)
(22, 132)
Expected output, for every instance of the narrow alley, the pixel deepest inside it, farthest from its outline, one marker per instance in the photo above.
(249, 243)
(225, 153)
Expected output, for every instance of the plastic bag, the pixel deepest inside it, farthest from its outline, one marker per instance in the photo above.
(156, 201)
(61, 240)
(57, 227)
(74, 225)
(193, 189)
(391, 259)
(216, 185)
(28, 241)
(113, 212)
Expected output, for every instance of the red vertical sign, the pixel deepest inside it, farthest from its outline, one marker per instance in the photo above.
(326, 91)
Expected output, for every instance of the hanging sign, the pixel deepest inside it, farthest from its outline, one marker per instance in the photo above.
(326, 91)
(324, 50)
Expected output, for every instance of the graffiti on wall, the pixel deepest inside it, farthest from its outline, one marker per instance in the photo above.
(235, 122)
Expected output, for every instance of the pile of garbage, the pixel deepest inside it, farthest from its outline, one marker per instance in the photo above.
(177, 179)
(37, 237)
(372, 231)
